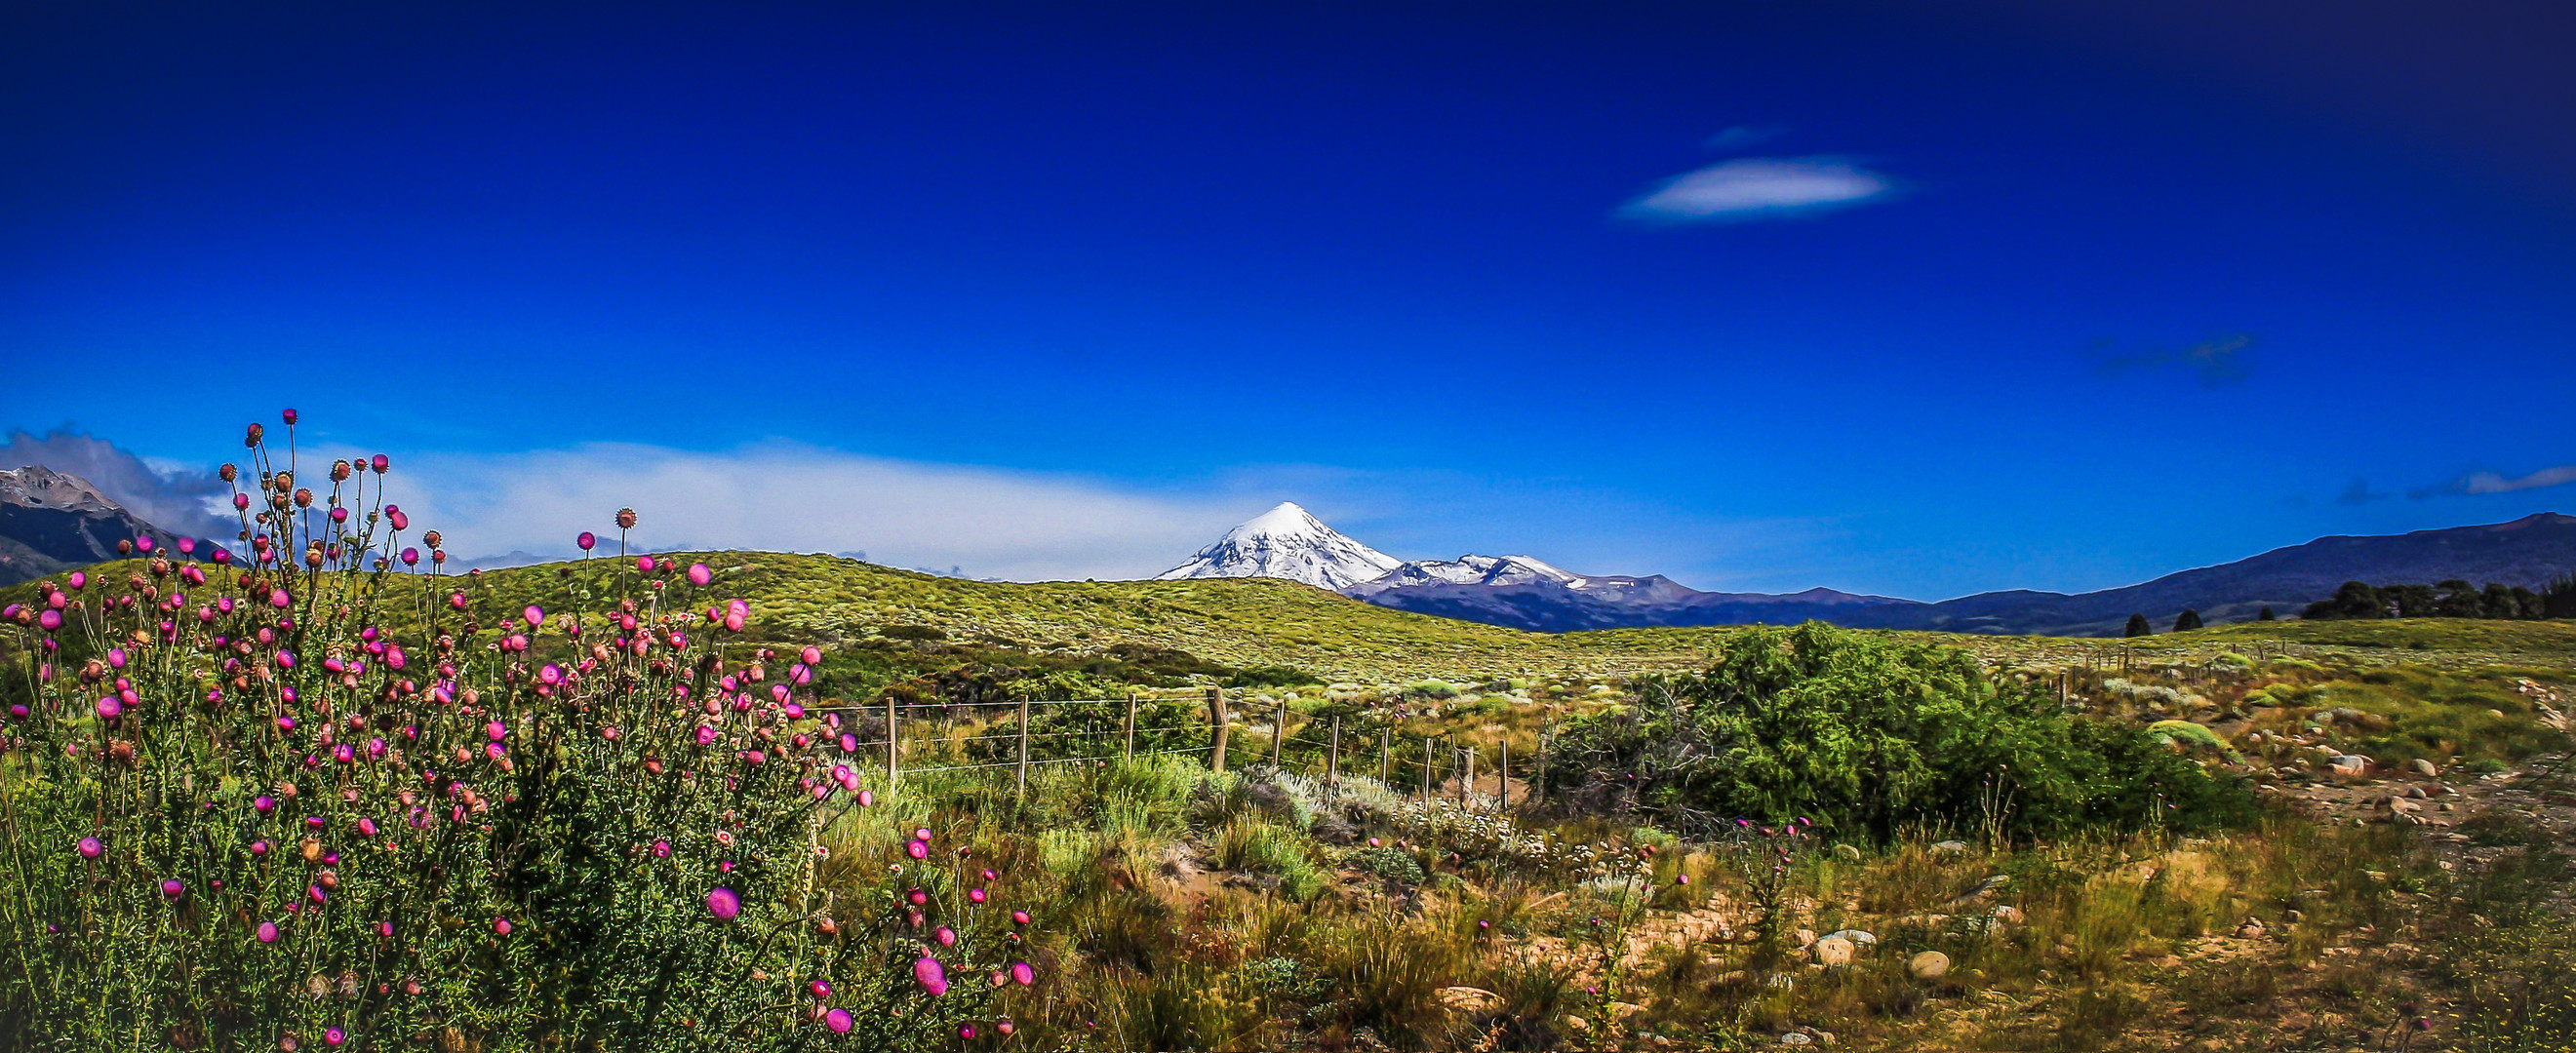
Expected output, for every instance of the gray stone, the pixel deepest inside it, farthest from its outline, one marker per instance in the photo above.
(1832, 950)
(2427, 769)
(1929, 965)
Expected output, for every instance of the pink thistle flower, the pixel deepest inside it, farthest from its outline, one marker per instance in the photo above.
(332, 1036)
(264, 803)
(991, 874)
(661, 850)
(699, 574)
(174, 888)
(109, 708)
(385, 929)
(812, 655)
(90, 848)
(867, 798)
(916, 849)
(380, 464)
(410, 556)
(644, 564)
(1023, 973)
(932, 977)
(820, 988)
(500, 926)
(534, 614)
(268, 932)
(839, 1021)
(975, 895)
(1019, 917)
(724, 903)
(496, 730)
(587, 540)
(965, 1030)
(918, 897)
(921, 833)
(946, 936)
(396, 517)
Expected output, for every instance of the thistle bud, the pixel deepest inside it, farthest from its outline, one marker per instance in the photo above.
(625, 519)
(252, 439)
(379, 463)
(303, 497)
(339, 471)
(228, 472)
(432, 539)
(125, 548)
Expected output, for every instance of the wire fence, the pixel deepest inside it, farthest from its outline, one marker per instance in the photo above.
(909, 737)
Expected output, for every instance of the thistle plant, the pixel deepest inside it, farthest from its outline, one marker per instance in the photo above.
(314, 794)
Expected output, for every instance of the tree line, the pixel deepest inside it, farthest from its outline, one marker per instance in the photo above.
(2447, 599)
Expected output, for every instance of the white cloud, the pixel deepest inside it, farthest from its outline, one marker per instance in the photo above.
(779, 496)
(1761, 188)
(2476, 483)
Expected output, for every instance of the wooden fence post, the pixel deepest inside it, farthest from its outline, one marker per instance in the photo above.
(894, 767)
(1385, 754)
(1467, 774)
(1503, 795)
(1333, 760)
(1278, 732)
(1426, 770)
(1024, 743)
(1216, 717)
(1545, 740)
(1131, 725)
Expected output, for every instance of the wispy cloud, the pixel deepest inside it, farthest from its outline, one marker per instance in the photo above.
(172, 497)
(2475, 483)
(1750, 188)
(2216, 363)
(2358, 492)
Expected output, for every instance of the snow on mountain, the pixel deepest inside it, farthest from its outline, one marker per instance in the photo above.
(1287, 542)
(1475, 570)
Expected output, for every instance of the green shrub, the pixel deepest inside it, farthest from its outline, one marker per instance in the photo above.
(1864, 733)
(1392, 864)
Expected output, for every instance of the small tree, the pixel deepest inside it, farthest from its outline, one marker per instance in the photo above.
(2264, 615)
(2189, 621)
(2138, 626)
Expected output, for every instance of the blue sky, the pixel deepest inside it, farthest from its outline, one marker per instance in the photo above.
(1916, 299)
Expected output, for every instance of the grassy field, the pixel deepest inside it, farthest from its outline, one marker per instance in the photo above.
(1251, 622)
(1260, 907)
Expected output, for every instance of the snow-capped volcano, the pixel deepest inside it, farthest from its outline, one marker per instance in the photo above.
(1287, 542)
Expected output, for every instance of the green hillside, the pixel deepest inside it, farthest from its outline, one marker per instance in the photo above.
(1247, 622)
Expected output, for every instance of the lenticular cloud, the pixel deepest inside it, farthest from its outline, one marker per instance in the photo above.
(1761, 188)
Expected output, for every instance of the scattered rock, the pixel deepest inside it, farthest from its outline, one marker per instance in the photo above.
(2009, 914)
(1949, 848)
(1806, 937)
(1729, 978)
(1822, 1037)
(2347, 764)
(2250, 929)
(2294, 915)
(1795, 1038)
(1626, 1013)
(2427, 769)
(1576, 1023)
(1929, 965)
(1832, 951)
(1860, 940)
(1469, 1001)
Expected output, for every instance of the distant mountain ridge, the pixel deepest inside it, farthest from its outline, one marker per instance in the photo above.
(52, 521)
(1526, 593)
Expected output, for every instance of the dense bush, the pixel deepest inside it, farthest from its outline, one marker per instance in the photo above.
(309, 796)
(1866, 733)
